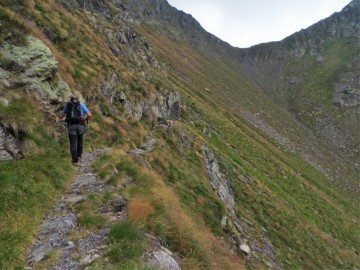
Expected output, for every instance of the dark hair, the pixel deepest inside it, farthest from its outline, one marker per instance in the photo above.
(74, 99)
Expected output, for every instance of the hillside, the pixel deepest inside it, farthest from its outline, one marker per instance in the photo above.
(311, 77)
(210, 157)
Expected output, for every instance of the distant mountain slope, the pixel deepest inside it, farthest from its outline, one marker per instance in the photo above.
(311, 76)
(314, 75)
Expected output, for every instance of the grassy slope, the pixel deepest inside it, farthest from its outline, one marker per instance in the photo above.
(289, 198)
(312, 103)
(310, 224)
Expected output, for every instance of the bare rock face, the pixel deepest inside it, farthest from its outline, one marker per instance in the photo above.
(347, 91)
(155, 106)
(219, 181)
(9, 146)
(239, 230)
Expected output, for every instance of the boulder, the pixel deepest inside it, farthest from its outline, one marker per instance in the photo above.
(4, 102)
(148, 145)
(245, 248)
(118, 204)
(163, 261)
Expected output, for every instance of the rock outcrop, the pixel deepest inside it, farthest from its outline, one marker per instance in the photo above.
(159, 257)
(347, 90)
(219, 182)
(240, 231)
(155, 106)
(10, 147)
(33, 68)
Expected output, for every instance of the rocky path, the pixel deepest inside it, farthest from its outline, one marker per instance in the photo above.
(56, 248)
(54, 234)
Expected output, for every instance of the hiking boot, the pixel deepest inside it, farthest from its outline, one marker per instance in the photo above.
(75, 161)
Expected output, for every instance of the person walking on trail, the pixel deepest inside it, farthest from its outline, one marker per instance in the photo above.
(75, 113)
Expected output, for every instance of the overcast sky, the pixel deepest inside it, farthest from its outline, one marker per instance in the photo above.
(244, 23)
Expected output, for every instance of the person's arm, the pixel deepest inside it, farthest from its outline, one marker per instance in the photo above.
(62, 113)
(87, 113)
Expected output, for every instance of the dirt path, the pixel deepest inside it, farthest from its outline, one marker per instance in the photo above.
(54, 248)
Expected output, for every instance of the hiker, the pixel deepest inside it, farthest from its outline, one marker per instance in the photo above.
(75, 113)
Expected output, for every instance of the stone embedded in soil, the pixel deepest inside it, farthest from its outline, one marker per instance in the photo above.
(163, 261)
(39, 251)
(245, 248)
(54, 230)
(119, 203)
(73, 198)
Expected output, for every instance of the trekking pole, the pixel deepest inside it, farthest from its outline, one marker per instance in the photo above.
(91, 141)
(67, 131)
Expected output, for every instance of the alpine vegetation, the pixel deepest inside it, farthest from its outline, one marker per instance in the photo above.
(130, 138)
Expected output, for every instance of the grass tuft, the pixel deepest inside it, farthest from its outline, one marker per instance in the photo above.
(126, 243)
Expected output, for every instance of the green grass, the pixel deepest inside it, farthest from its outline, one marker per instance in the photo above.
(196, 195)
(92, 221)
(176, 238)
(134, 172)
(301, 212)
(126, 244)
(27, 187)
(20, 116)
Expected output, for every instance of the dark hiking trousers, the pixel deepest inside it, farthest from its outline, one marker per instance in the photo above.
(76, 132)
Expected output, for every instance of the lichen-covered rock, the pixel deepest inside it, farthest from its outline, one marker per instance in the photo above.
(4, 76)
(34, 68)
(35, 59)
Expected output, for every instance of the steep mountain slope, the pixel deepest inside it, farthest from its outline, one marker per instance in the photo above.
(174, 104)
(311, 76)
(314, 75)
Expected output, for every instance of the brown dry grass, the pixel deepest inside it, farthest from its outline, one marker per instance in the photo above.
(220, 256)
(139, 209)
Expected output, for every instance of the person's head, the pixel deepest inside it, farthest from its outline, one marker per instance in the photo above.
(74, 99)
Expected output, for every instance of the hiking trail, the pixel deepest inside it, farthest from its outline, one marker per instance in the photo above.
(61, 221)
